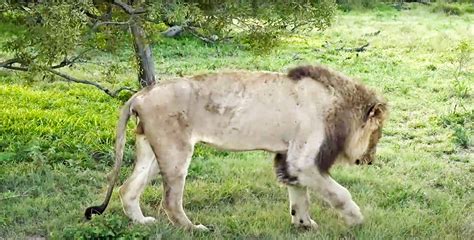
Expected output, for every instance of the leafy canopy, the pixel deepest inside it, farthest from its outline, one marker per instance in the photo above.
(62, 33)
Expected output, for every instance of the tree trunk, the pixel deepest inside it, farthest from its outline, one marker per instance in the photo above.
(146, 66)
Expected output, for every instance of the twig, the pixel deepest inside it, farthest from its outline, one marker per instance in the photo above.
(10, 61)
(361, 48)
(68, 62)
(99, 23)
(16, 196)
(124, 88)
(128, 9)
(8, 64)
(211, 40)
(372, 34)
(296, 26)
(357, 49)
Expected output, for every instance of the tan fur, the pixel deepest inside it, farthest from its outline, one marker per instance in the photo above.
(310, 117)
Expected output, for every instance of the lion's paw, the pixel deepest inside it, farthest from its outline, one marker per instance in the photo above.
(310, 225)
(201, 227)
(146, 220)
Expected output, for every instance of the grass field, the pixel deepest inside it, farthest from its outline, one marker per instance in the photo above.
(56, 141)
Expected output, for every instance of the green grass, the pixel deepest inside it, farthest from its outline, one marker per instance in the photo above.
(56, 142)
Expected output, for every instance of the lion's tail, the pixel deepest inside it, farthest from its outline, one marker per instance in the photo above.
(119, 146)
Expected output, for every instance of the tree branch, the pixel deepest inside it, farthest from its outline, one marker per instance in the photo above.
(109, 92)
(210, 40)
(128, 9)
(8, 64)
(10, 61)
(99, 23)
(91, 15)
(24, 69)
(299, 25)
(358, 49)
(69, 62)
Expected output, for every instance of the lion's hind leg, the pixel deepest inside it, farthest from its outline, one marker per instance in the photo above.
(174, 156)
(146, 168)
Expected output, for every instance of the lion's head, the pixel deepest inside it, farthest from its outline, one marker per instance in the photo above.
(362, 144)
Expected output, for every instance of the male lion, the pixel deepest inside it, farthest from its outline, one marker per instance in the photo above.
(310, 117)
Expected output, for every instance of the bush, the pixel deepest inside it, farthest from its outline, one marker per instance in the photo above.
(348, 5)
(453, 8)
(461, 124)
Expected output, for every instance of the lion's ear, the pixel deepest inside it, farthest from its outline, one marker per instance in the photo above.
(376, 112)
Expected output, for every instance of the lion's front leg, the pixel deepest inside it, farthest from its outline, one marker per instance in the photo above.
(288, 167)
(299, 207)
(338, 196)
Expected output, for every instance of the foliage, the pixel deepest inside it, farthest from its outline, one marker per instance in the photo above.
(462, 137)
(264, 23)
(61, 24)
(104, 228)
(461, 123)
(464, 55)
(461, 118)
(56, 34)
(453, 7)
(347, 5)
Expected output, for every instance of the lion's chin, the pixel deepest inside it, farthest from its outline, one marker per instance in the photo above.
(343, 159)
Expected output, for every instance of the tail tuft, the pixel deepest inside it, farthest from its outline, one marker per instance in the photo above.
(94, 210)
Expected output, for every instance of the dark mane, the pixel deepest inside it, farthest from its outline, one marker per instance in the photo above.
(322, 74)
(336, 133)
(310, 71)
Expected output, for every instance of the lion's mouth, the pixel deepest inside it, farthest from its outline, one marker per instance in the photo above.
(359, 162)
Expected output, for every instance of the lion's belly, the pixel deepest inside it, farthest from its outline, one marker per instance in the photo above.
(242, 137)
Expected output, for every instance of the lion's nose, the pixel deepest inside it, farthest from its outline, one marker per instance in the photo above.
(357, 161)
(369, 163)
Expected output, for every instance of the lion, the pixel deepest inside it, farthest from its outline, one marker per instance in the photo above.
(311, 118)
